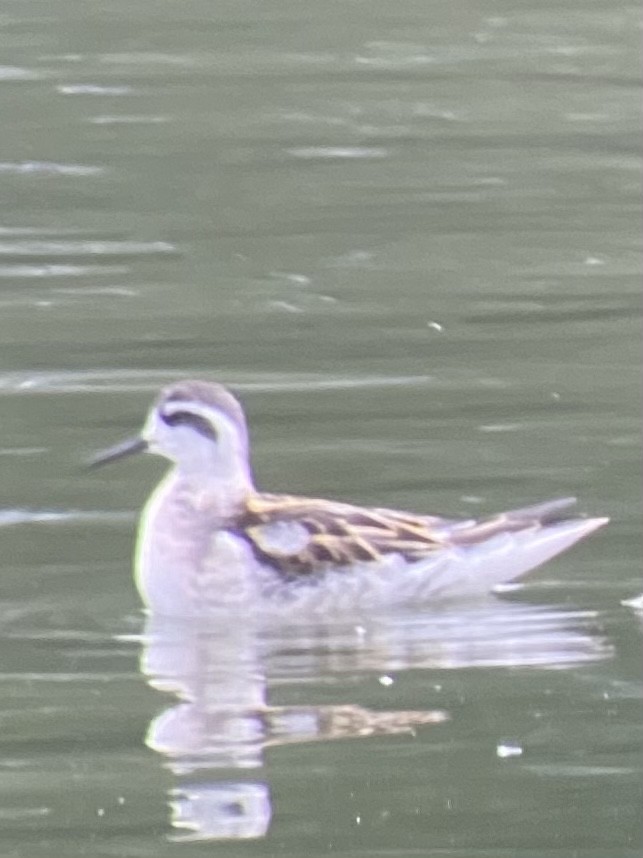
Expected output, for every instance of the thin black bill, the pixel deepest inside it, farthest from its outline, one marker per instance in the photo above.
(118, 451)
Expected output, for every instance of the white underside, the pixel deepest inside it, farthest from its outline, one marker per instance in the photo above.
(456, 573)
(233, 580)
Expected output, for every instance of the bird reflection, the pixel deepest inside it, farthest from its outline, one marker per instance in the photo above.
(222, 675)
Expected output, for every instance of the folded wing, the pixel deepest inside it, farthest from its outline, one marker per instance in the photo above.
(303, 536)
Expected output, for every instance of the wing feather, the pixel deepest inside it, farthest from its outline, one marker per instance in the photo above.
(302, 536)
(338, 534)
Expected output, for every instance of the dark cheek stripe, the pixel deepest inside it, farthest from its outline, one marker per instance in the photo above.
(194, 421)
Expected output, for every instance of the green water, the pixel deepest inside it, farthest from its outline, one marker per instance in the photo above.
(408, 235)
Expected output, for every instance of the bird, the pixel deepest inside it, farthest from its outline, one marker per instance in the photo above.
(209, 540)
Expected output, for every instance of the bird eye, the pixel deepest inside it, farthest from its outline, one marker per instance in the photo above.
(194, 421)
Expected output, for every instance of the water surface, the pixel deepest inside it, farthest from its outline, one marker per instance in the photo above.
(408, 235)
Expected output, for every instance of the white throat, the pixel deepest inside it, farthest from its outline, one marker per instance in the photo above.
(215, 472)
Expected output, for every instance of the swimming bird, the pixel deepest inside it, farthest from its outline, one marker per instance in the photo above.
(209, 539)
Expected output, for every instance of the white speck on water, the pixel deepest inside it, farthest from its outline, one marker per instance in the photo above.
(555, 395)
(386, 681)
(436, 326)
(100, 811)
(594, 260)
(507, 749)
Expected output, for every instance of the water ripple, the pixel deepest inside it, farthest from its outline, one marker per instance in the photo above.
(37, 271)
(49, 168)
(123, 381)
(338, 152)
(85, 248)
(128, 120)
(14, 73)
(11, 517)
(93, 89)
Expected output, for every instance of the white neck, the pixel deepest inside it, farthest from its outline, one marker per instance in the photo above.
(220, 478)
(214, 470)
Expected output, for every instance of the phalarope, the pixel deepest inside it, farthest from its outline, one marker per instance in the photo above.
(208, 538)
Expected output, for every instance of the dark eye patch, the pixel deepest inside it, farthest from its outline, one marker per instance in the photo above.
(195, 421)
